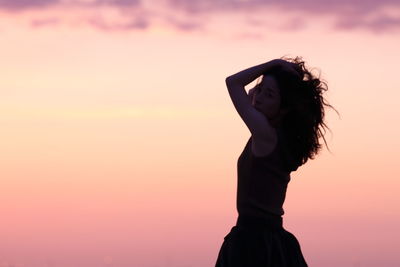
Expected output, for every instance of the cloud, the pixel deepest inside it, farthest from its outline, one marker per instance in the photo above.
(137, 23)
(378, 24)
(119, 3)
(194, 15)
(294, 24)
(311, 6)
(44, 22)
(349, 14)
(16, 5)
(185, 25)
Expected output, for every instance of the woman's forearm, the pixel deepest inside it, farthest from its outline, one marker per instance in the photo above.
(248, 75)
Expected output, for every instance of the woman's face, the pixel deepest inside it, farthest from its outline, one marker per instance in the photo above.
(266, 97)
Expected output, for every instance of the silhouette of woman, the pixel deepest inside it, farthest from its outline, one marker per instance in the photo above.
(284, 113)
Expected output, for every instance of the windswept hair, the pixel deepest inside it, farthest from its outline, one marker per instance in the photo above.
(302, 112)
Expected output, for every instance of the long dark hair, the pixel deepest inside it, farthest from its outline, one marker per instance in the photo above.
(302, 112)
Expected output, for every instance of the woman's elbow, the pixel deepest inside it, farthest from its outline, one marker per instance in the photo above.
(229, 80)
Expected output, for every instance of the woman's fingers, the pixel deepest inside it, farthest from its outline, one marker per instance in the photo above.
(292, 68)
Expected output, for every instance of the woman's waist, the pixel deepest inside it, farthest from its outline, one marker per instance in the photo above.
(252, 207)
(266, 220)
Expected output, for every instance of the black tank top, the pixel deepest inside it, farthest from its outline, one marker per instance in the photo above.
(262, 181)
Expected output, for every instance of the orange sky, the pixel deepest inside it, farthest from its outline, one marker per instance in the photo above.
(119, 146)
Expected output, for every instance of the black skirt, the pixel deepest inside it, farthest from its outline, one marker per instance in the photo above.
(260, 242)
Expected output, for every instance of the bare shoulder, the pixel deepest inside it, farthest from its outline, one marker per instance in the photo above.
(262, 146)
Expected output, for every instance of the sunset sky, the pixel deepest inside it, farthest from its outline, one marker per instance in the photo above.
(119, 141)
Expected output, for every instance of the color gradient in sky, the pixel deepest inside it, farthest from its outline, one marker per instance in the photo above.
(119, 141)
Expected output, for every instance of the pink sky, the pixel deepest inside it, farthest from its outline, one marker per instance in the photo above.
(119, 140)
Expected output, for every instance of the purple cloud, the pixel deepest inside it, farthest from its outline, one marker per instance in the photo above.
(378, 24)
(120, 3)
(193, 14)
(184, 25)
(16, 5)
(36, 23)
(349, 14)
(312, 6)
(31, 4)
(138, 23)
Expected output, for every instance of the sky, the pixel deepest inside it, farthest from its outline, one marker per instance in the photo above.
(119, 141)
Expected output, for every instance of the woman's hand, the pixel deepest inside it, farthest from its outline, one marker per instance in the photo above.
(287, 66)
(248, 75)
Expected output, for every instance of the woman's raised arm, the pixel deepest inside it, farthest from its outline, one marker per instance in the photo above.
(248, 75)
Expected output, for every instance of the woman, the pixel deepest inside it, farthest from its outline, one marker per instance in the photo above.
(284, 113)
